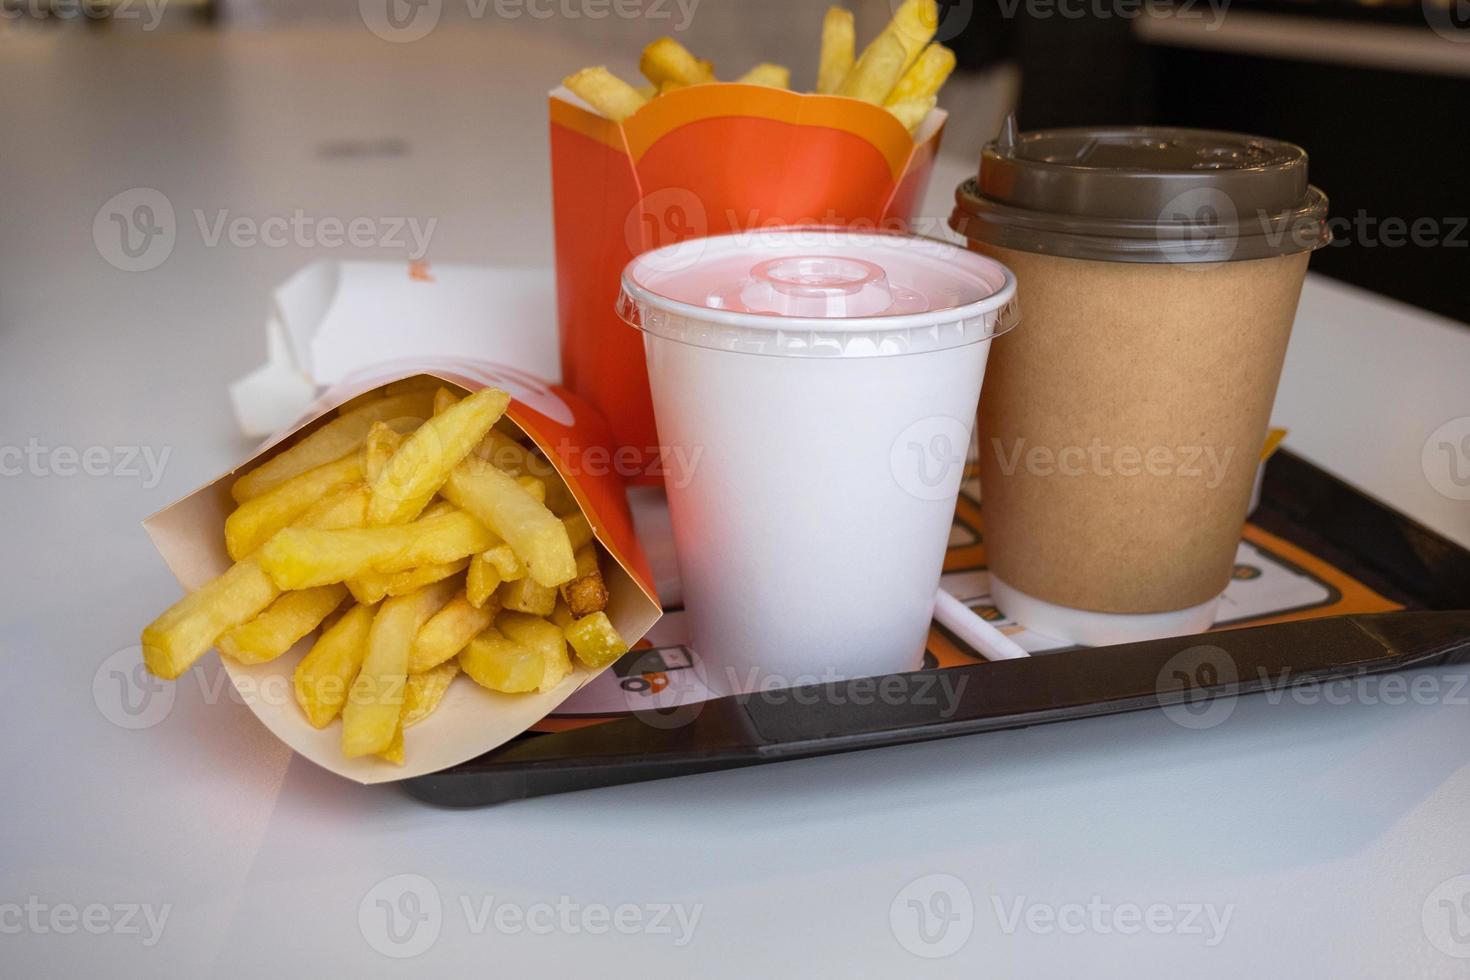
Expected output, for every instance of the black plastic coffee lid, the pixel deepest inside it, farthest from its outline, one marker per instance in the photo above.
(1142, 194)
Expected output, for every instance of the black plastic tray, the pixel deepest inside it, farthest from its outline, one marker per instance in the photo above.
(1300, 503)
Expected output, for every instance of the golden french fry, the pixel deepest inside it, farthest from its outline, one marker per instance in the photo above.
(254, 521)
(534, 487)
(528, 596)
(447, 632)
(184, 631)
(370, 717)
(839, 39)
(767, 74)
(331, 442)
(481, 581)
(884, 61)
(538, 634)
(595, 641)
(503, 559)
(325, 674)
(534, 533)
(503, 452)
(925, 77)
(647, 91)
(378, 447)
(394, 752)
(562, 614)
(579, 530)
(280, 624)
(423, 692)
(426, 457)
(912, 112)
(177, 638)
(606, 92)
(585, 594)
(666, 60)
(500, 664)
(444, 398)
(371, 587)
(299, 558)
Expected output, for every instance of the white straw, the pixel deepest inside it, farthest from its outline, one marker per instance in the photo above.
(971, 627)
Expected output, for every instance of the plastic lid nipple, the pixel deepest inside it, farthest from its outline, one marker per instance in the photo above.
(816, 286)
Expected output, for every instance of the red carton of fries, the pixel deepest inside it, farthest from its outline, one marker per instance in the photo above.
(708, 159)
(392, 636)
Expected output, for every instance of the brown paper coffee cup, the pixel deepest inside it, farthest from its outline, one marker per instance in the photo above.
(1121, 425)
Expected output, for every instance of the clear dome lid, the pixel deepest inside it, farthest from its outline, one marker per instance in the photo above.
(818, 292)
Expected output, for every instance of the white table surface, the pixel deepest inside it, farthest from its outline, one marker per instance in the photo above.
(1324, 831)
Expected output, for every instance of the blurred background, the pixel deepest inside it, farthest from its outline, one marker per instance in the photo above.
(436, 109)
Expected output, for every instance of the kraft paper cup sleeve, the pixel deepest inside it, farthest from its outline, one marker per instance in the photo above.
(471, 720)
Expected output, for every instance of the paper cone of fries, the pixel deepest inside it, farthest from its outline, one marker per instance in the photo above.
(705, 160)
(554, 462)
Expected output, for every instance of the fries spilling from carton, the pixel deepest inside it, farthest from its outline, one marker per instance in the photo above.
(902, 69)
(418, 538)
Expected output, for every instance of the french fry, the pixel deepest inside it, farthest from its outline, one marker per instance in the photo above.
(595, 641)
(838, 49)
(425, 459)
(889, 55)
(912, 112)
(370, 718)
(325, 674)
(528, 596)
(371, 587)
(499, 663)
(423, 692)
(394, 752)
(447, 632)
(606, 92)
(177, 638)
(299, 558)
(480, 581)
(503, 452)
(534, 533)
(504, 560)
(767, 74)
(538, 634)
(925, 77)
(585, 594)
(331, 442)
(184, 631)
(579, 530)
(254, 521)
(666, 60)
(534, 487)
(378, 447)
(281, 624)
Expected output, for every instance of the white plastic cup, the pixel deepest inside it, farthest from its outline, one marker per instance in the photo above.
(814, 391)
